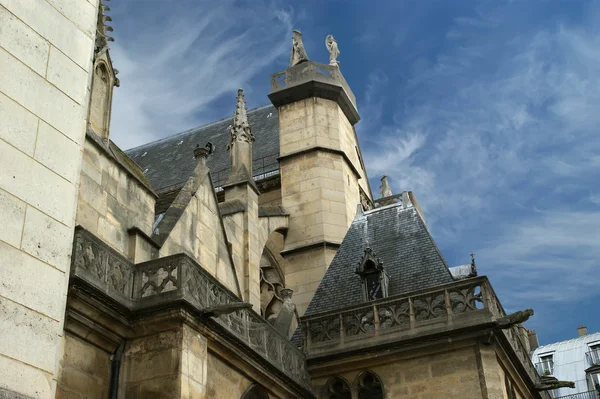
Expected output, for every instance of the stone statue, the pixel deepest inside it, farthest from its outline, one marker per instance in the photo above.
(514, 318)
(298, 52)
(332, 47)
(548, 383)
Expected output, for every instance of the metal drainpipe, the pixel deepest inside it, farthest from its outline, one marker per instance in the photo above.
(115, 366)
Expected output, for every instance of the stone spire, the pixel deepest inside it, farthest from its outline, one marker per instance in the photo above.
(240, 139)
(384, 189)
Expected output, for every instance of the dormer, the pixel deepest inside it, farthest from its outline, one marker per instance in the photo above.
(104, 79)
(373, 276)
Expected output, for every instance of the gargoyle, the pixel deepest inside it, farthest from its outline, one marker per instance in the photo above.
(549, 383)
(514, 318)
(225, 308)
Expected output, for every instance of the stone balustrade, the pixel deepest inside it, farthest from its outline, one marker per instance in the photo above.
(463, 305)
(178, 278)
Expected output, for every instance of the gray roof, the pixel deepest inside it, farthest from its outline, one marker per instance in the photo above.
(400, 239)
(169, 162)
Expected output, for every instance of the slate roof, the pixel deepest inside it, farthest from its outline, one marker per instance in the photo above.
(400, 239)
(169, 162)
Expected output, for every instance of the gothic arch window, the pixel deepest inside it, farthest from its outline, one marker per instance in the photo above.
(337, 388)
(374, 279)
(369, 386)
(99, 113)
(255, 391)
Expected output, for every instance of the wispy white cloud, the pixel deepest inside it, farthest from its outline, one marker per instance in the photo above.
(508, 123)
(173, 69)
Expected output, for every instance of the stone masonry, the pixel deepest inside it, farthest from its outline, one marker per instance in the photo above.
(46, 49)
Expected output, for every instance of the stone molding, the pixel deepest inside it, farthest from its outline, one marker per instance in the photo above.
(323, 149)
(178, 281)
(313, 79)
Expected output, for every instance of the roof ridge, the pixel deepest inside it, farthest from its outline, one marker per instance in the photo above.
(194, 129)
(583, 337)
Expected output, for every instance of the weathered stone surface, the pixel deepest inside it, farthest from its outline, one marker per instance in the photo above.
(19, 126)
(54, 27)
(23, 42)
(47, 240)
(31, 283)
(33, 339)
(67, 75)
(57, 152)
(13, 212)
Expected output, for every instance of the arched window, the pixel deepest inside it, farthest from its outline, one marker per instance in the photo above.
(255, 391)
(337, 388)
(374, 278)
(369, 386)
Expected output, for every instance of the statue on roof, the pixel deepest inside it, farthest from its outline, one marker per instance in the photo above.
(298, 52)
(334, 52)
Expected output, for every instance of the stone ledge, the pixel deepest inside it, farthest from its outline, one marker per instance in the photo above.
(323, 149)
(312, 79)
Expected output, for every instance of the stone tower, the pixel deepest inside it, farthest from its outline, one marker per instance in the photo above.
(322, 174)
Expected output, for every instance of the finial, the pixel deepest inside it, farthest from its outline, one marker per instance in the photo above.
(384, 189)
(240, 128)
(102, 38)
(334, 52)
(472, 258)
(298, 53)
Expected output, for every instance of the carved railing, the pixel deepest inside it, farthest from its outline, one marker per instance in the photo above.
(310, 71)
(582, 395)
(464, 304)
(398, 317)
(178, 278)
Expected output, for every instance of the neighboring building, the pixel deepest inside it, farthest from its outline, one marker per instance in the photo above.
(186, 251)
(576, 360)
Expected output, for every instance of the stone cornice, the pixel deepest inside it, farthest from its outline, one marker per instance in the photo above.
(312, 79)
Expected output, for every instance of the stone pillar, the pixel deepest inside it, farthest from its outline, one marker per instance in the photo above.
(322, 174)
(46, 50)
(240, 187)
(167, 364)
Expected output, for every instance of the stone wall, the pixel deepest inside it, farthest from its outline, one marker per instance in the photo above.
(459, 370)
(224, 382)
(46, 49)
(449, 372)
(199, 234)
(84, 370)
(111, 201)
(320, 178)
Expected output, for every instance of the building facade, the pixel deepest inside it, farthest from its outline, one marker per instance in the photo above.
(576, 360)
(246, 258)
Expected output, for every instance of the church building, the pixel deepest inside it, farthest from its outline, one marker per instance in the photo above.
(245, 258)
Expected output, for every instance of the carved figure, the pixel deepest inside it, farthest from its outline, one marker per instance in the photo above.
(549, 383)
(514, 318)
(334, 52)
(298, 52)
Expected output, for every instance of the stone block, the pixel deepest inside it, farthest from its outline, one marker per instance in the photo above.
(79, 12)
(93, 194)
(83, 384)
(34, 284)
(13, 216)
(67, 76)
(152, 364)
(40, 97)
(114, 234)
(57, 152)
(94, 174)
(22, 42)
(47, 239)
(86, 358)
(19, 126)
(33, 338)
(87, 217)
(27, 380)
(48, 22)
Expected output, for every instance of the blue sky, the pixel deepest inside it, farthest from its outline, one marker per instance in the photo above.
(487, 110)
